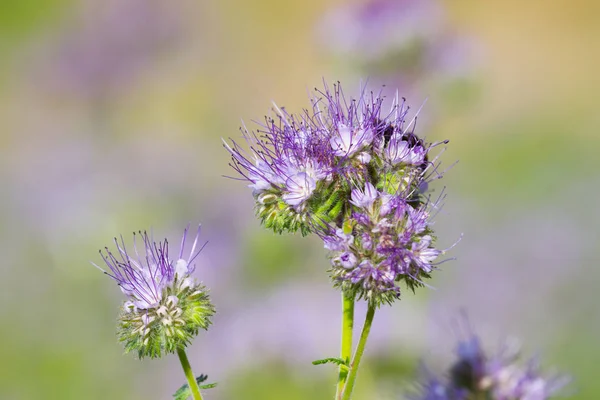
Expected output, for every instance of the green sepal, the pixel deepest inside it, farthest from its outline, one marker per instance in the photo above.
(280, 217)
(184, 392)
(334, 360)
(392, 182)
(348, 226)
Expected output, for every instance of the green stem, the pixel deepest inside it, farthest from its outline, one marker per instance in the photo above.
(189, 374)
(346, 349)
(360, 349)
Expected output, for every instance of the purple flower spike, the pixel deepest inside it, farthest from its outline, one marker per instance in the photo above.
(299, 188)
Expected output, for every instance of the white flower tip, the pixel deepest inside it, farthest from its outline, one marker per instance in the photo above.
(188, 283)
(172, 301)
(181, 268)
(162, 311)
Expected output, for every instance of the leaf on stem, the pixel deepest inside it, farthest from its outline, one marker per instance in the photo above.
(333, 360)
(185, 392)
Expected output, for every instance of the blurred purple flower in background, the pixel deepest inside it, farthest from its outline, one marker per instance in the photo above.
(109, 43)
(401, 42)
(499, 376)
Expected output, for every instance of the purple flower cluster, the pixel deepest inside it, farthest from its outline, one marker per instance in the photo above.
(390, 242)
(166, 306)
(295, 161)
(500, 377)
(355, 175)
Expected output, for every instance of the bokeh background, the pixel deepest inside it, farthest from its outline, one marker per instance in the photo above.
(111, 119)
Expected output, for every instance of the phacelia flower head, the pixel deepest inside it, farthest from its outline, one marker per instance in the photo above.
(165, 306)
(356, 175)
(501, 376)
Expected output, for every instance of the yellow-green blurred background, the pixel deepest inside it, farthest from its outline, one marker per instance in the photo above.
(111, 119)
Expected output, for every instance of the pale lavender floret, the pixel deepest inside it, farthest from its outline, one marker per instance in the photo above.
(387, 204)
(400, 151)
(361, 218)
(423, 255)
(417, 155)
(299, 188)
(346, 141)
(367, 241)
(347, 260)
(373, 277)
(338, 241)
(416, 221)
(396, 203)
(262, 176)
(364, 198)
(143, 277)
(364, 157)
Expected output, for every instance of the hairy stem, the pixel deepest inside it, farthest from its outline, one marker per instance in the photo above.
(360, 349)
(189, 374)
(346, 349)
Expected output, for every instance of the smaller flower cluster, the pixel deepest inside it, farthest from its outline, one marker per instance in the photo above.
(385, 241)
(166, 306)
(500, 377)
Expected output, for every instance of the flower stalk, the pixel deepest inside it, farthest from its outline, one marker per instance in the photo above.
(360, 349)
(189, 374)
(346, 347)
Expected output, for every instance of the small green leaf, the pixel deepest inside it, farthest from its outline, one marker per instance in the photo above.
(333, 360)
(208, 386)
(184, 392)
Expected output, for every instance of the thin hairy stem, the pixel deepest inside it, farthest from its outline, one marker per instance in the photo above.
(189, 374)
(346, 347)
(360, 349)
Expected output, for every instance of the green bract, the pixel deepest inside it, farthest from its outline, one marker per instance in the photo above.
(172, 324)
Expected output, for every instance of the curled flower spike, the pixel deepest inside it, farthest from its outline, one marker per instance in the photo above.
(389, 242)
(165, 305)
